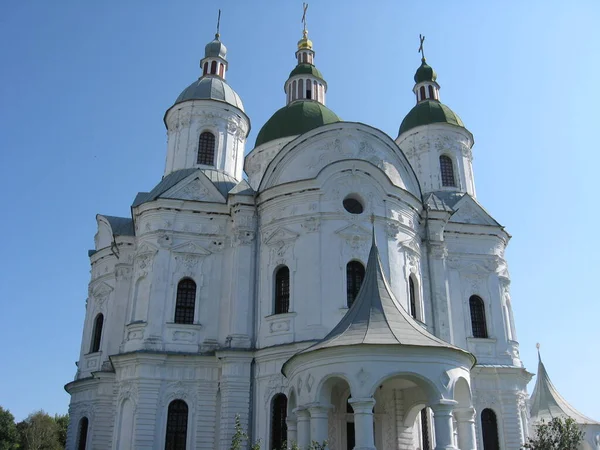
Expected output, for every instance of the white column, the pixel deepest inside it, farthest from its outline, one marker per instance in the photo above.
(303, 427)
(292, 431)
(363, 423)
(466, 428)
(442, 417)
(319, 421)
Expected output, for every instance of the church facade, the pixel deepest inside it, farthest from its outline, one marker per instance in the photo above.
(349, 289)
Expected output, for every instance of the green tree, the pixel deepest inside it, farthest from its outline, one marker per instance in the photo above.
(558, 434)
(62, 421)
(39, 432)
(9, 436)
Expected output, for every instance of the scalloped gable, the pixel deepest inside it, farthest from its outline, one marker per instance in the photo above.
(196, 187)
(468, 211)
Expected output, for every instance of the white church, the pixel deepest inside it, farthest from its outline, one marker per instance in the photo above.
(333, 284)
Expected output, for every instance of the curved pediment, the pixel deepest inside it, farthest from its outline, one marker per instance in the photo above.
(304, 157)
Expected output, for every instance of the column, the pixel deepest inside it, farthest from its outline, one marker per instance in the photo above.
(466, 428)
(292, 431)
(303, 427)
(363, 423)
(319, 423)
(442, 417)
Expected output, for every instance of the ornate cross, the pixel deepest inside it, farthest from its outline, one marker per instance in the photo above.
(421, 50)
(304, 8)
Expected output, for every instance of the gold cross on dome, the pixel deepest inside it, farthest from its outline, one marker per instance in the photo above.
(421, 49)
(304, 9)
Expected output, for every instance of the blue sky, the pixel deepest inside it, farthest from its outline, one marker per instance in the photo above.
(83, 90)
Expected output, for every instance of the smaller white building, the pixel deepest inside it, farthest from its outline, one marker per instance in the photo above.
(546, 403)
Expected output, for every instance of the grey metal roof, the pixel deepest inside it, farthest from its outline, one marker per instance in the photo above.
(121, 226)
(223, 182)
(546, 402)
(450, 198)
(376, 317)
(215, 48)
(165, 184)
(432, 201)
(242, 188)
(211, 88)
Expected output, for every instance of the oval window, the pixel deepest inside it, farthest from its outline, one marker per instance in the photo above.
(352, 205)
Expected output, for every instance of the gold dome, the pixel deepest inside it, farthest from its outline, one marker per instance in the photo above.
(305, 42)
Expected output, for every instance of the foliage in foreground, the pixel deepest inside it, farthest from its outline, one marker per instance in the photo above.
(558, 434)
(239, 436)
(39, 431)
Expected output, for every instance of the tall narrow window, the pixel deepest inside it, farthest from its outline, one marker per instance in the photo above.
(355, 273)
(489, 429)
(478, 323)
(422, 91)
(412, 297)
(186, 301)
(308, 89)
(447, 171)
(282, 290)
(221, 70)
(294, 90)
(431, 94)
(278, 421)
(300, 88)
(205, 70)
(97, 333)
(82, 433)
(213, 67)
(177, 420)
(424, 430)
(206, 149)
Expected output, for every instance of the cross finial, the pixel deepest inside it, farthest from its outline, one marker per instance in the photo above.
(421, 49)
(218, 34)
(304, 9)
(538, 349)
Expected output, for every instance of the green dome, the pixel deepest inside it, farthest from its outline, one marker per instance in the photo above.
(306, 69)
(427, 112)
(425, 73)
(296, 118)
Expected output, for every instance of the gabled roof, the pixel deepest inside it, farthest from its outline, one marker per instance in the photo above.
(546, 402)
(377, 318)
(223, 182)
(242, 188)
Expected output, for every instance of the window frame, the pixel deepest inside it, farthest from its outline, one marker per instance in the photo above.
(478, 317)
(485, 427)
(205, 155)
(353, 286)
(447, 171)
(280, 414)
(180, 302)
(96, 342)
(412, 298)
(281, 300)
(82, 443)
(177, 444)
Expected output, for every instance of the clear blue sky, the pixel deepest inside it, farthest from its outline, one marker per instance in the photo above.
(83, 90)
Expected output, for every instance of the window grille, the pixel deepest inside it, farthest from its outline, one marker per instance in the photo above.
(412, 298)
(206, 149)
(177, 419)
(97, 333)
(489, 428)
(355, 273)
(282, 290)
(447, 171)
(82, 433)
(278, 421)
(478, 323)
(185, 301)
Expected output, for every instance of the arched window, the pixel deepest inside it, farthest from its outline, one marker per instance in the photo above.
(425, 430)
(431, 94)
(82, 433)
(177, 420)
(412, 297)
(186, 301)
(300, 89)
(205, 70)
(355, 273)
(97, 333)
(478, 317)
(221, 70)
(294, 90)
(447, 171)
(213, 67)
(278, 421)
(422, 91)
(206, 149)
(308, 89)
(489, 429)
(282, 290)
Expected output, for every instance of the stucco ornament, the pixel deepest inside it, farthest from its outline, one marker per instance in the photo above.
(275, 384)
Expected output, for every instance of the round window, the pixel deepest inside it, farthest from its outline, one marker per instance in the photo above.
(352, 205)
